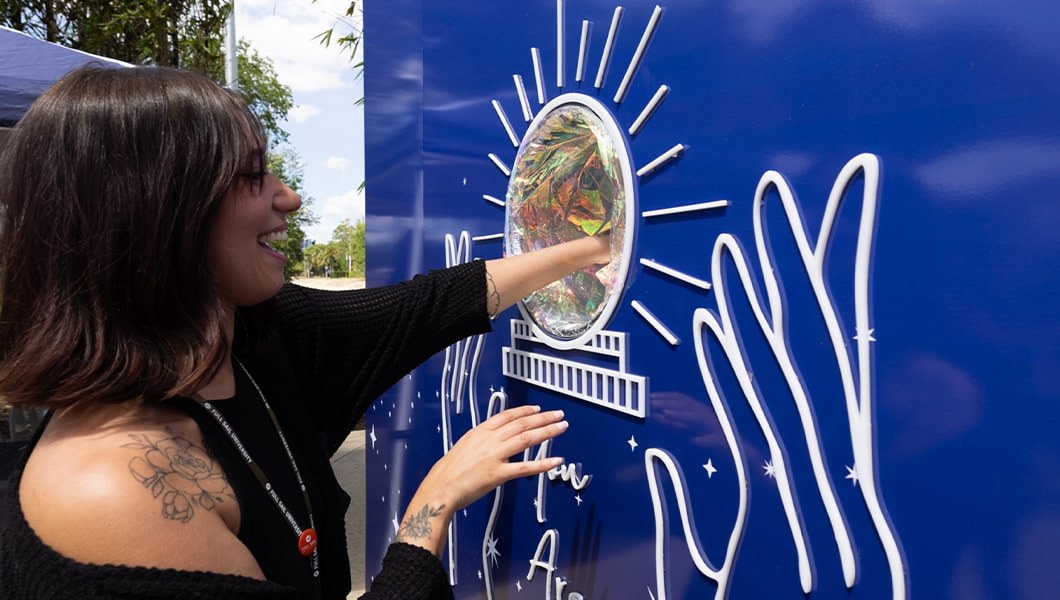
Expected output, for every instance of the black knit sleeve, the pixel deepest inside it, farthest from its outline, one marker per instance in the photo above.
(349, 347)
(409, 573)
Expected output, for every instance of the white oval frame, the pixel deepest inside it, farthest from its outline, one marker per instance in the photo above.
(619, 138)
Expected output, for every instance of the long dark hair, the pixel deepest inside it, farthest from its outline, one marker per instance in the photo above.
(108, 187)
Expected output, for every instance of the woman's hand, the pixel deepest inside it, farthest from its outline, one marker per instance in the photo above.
(476, 464)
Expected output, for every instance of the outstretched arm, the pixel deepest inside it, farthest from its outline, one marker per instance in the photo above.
(512, 278)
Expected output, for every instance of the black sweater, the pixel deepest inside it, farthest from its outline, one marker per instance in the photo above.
(330, 356)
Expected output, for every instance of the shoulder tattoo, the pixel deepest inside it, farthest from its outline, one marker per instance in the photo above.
(418, 526)
(184, 476)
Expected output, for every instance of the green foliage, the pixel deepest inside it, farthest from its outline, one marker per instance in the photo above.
(322, 260)
(350, 241)
(259, 85)
(286, 165)
(177, 33)
(343, 256)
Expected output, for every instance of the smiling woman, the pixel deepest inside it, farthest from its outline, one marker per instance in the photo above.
(195, 399)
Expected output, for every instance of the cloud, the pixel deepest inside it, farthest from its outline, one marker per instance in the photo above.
(302, 113)
(332, 211)
(337, 162)
(284, 32)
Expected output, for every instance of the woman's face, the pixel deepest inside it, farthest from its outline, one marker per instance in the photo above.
(251, 216)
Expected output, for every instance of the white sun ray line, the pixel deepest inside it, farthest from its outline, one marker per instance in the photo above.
(524, 102)
(493, 200)
(583, 49)
(503, 116)
(539, 77)
(649, 109)
(609, 46)
(686, 208)
(662, 159)
(699, 283)
(486, 238)
(655, 323)
(656, 14)
(500, 165)
(559, 43)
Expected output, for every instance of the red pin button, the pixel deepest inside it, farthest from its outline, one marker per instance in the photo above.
(307, 542)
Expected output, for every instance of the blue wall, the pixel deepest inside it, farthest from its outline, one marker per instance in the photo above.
(958, 105)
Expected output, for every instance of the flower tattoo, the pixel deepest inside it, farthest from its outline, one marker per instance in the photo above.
(182, 474)
(418, 526)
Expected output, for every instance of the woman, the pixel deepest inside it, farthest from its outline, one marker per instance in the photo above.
(196, 399)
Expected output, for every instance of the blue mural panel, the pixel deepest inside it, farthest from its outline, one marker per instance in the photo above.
(830, 362)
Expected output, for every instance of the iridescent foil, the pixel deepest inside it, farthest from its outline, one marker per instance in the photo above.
(567, 183)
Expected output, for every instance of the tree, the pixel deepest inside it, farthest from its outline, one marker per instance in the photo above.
(349, 240)
(323, 259)
(260, 86)
(176, 33)
(286, 165)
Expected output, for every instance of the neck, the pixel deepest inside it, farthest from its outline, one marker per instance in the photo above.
(223, 384)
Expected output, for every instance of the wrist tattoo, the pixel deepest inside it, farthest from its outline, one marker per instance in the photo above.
(493, 302)
(418, 526)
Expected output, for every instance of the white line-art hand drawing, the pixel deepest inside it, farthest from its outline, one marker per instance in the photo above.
(458, 377)
(857, 388)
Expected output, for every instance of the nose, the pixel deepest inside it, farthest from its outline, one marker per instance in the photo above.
(286, 200)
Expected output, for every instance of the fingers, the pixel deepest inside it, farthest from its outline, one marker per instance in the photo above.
(529, 431)
(507, 416)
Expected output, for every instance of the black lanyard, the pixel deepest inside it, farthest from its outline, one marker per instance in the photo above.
(307, 538)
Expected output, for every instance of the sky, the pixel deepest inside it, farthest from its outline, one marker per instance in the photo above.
(326, 128)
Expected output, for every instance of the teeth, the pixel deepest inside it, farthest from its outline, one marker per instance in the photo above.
(276, 236)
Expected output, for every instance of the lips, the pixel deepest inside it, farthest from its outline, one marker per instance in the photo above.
(273, 236)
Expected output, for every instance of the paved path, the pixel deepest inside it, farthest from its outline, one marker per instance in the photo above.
(349, 469)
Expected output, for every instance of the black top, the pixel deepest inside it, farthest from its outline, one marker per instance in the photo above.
(331, 355)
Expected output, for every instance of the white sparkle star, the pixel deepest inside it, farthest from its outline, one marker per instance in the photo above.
(395, 523)
(865, 335)
(465, 183)
(852, 474)
(535, 501)
(480, 573)
(372, 436)
(384, 466)
(710, 468)
(770, 469)
(465, 512)
(578, 497)
(439, 428)
(632, 443)
(518, 586)
(491, 551)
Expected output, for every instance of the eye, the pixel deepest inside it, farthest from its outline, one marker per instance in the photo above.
(255, 175)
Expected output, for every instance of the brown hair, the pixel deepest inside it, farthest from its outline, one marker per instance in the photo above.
(108, 187)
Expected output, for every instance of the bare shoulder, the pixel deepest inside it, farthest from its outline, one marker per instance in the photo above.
(133, 487)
